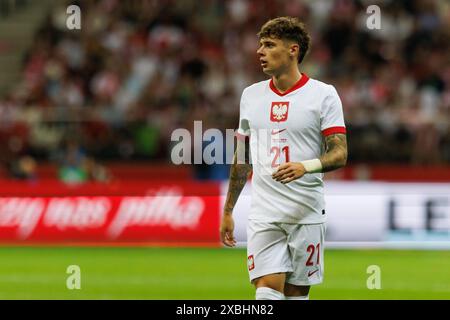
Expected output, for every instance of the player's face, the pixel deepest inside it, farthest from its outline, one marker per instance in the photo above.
(274, 55)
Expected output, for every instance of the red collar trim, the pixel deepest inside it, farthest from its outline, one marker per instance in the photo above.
(300, 83)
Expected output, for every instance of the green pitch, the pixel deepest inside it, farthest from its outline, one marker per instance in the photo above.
(198, 273)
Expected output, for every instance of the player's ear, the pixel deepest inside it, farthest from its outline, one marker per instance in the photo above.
(294, 50)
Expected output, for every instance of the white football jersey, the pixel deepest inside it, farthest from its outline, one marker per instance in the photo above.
(288, 127)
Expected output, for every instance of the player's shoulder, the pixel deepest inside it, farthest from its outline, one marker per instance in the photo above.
(323, 88)
(256, 89)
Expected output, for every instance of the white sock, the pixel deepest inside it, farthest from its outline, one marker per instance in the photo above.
(298, 298)
(264, 293)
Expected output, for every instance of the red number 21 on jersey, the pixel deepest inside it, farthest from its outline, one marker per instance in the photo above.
(277, 151)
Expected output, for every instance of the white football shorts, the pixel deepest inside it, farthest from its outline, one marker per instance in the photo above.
(295, 249)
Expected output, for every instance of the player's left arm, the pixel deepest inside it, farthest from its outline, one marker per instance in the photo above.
(334, 158)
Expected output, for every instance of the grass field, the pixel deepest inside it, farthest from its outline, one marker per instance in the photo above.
(199, 273)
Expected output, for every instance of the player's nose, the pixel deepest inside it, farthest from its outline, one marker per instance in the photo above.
(260, 52)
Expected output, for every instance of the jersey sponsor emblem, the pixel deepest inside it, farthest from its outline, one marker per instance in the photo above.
(279, 111)
(310, 273)
(250, 263)
(274, 132)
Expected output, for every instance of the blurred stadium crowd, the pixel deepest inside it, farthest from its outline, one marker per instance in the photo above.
(140, 69)
(8, 6)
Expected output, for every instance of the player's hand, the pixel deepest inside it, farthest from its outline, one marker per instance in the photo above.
(226, 230)
(288, 172)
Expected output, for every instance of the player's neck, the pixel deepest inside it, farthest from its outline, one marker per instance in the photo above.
(287, 80)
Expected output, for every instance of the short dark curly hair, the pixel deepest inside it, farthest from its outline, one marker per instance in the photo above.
(287, 28)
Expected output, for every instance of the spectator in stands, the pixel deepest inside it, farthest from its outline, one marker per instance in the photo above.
(24, 168)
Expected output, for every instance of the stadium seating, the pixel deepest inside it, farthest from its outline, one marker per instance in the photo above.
(131, 76)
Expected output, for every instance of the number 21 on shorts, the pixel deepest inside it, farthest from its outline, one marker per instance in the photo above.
(313, 251)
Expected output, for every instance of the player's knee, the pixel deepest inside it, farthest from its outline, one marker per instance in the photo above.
(294, 291)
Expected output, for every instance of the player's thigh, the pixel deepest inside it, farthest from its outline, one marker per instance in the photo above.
(274, 281)
(267, 250)
(291, 290)
(305, 244)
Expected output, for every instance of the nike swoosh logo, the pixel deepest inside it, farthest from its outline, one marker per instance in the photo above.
(277, 132)
(311, 273)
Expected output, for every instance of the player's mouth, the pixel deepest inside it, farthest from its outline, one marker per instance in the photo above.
(263, 63)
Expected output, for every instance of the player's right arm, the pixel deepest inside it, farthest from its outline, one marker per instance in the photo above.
(239, 174)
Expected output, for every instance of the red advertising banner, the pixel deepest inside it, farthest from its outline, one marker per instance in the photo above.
(164, 214)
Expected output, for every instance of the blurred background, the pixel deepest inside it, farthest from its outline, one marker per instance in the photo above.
(114, 91)
(90, 113)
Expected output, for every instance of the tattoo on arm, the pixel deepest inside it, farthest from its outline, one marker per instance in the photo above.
(239, 175)
(335, 156)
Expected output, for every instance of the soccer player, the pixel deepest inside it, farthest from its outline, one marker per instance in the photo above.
(294, 128)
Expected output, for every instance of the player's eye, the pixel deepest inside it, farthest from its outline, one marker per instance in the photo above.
(266, 45)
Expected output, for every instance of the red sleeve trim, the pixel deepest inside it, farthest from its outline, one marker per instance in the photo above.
(334, 130)
(241, 137)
